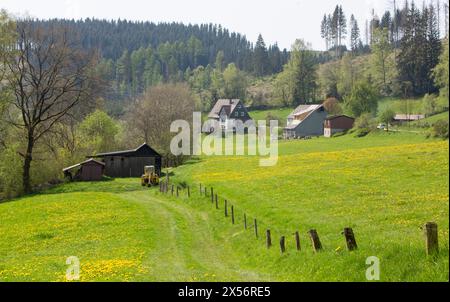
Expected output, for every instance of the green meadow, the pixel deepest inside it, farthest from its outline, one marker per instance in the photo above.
(385, 186)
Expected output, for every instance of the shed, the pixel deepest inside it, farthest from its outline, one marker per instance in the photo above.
(336, 124)
(408, 117)
(89, 170)
(130, 163)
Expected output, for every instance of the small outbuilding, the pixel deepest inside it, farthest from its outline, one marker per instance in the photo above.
(89, 170)
(130, 163)
(408, 117)
(336, 124)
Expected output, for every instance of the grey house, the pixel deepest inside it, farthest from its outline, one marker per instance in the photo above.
(130, 163)
(305, 120)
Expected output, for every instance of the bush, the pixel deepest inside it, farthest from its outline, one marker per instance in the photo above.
(271, 117)
(362, 99)
(361, 132)
(386, 116)
(10, 173)
(364, 125)
(440, 129)
(332, 106)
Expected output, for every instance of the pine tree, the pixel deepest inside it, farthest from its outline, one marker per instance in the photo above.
(420, 49)
(355, 40)
(325, 30)
(260, 58)
(342, 23)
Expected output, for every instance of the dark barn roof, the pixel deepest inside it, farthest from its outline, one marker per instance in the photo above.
(143, 150)
(330, 118)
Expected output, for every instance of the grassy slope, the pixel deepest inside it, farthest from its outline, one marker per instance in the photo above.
(384, 186)
(413, 106)
(281, 114)
(433, 119)
(123, 232)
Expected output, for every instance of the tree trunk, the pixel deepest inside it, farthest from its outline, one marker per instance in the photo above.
(27, 165)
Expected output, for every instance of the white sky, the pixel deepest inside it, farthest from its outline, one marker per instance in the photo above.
(280, 21)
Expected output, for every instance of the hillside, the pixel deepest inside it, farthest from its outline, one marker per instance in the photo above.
(384, 186)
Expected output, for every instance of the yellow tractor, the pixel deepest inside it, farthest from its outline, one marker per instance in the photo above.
(150, 178)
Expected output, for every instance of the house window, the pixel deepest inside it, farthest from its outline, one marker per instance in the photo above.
(242, 114)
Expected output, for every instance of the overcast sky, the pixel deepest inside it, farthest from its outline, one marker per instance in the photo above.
(280, 21)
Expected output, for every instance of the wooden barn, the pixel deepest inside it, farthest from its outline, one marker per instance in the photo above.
(336, 124)
(130, 163)
(89, 170)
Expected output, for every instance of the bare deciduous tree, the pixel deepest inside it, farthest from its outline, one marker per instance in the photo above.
(151, 115)
(49, 76)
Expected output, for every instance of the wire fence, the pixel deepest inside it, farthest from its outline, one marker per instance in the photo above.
(262, 230)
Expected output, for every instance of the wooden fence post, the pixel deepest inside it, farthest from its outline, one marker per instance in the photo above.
(188, 192)
(212, 195)
(297, 241)
(431, 237)
(201, 192)
(172, 190)
(232, 214)
(350, 239)
(217, 202)
(206, 192)
(226, 208)
(256, 228)
(268, 239)
(283, 244)
(245, 221)
(316, 244)
(178, 193)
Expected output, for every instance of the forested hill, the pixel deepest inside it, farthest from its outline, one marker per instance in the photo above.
(199, 44)
(137, 55)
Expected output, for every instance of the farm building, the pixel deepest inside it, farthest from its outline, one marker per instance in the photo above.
(336, 124)
(130, 163)
(227, 112)
(408, 117)
(89, 170)
(304, 121)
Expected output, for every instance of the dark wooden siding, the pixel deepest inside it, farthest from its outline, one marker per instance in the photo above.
(342, 122)
(91, 172)
(118, 166)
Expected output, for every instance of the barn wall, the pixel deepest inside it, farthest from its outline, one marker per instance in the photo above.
(340, 123)
(91, 172)
(118, 166)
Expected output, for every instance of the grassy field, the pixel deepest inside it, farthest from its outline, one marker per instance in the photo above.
(413, 106)
(279, 114)
(432, 119)
(385, 186)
